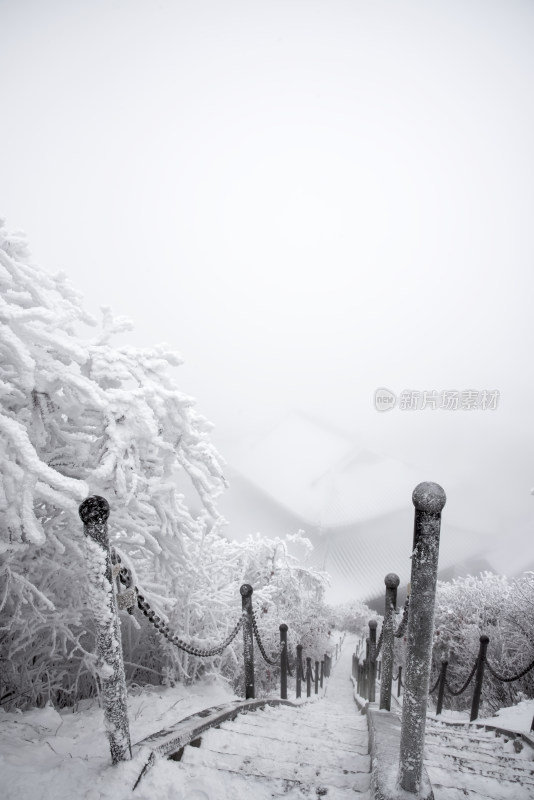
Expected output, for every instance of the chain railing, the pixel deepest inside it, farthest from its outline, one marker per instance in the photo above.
(416, 627)
(477, 670)
(111, 583)
(461, 690)
(403, 624)
(510, 678)
(272, 662)
(127, 600)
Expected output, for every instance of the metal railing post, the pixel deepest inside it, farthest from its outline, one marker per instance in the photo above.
(399, 682)
(94, 513)
(441, 689)
(372, 660)
(308, 676)
(428, 499)
(316, 677)
(479, 677)
(388, 640)
(299, 669)
(322, 673)
(366, 670)
(283, 661)
(248, 639)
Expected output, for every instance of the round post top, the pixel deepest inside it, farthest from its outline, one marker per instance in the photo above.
(484, 639)
(94, 510)
(246, 590)
(283, 626)
(299, 647)
(373, 623)
(391, 580)
(428, 496)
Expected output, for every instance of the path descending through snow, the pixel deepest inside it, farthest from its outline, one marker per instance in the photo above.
(472, 762)
(319, 749)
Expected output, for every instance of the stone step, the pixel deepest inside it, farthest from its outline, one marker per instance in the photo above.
(264, 767)
(228, 740)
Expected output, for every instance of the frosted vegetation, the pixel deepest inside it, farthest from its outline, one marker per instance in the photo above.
(81, 416)
(467, 608)
(500, 608)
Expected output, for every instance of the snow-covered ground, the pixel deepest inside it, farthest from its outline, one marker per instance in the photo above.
(515, 718)
(51, 755)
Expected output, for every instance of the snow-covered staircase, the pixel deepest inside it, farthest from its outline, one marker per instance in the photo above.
(319, 749)
(467, 762)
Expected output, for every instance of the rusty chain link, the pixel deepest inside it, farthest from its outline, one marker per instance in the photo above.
(512, 678)
(379, 643)
(273, 662)
(125, 577)
(466, 684)
(404, 621)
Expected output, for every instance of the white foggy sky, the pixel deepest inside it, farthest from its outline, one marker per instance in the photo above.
(307, 199)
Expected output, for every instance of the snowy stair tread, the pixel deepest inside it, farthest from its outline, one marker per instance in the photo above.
(320, 748)
(306, 738)
(472, 763)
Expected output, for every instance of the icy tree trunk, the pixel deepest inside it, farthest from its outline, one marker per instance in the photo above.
(388, 639)
(94, 512)
(372, 660)
(248, 639)
(428, 499)
(283, 661)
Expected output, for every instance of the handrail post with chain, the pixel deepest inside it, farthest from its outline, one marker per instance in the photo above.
(388, 627)
(366, 668)
(322, 673)
(479, 677)
(428, 499)
(308, 676)
(283, 661)
(441, 689)
(299, 670)
(94, 512)
(316, 677)
(248, 640)
(372, 660)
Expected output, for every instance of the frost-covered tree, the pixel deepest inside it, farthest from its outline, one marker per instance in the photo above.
(500, 608)
(80, 416)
